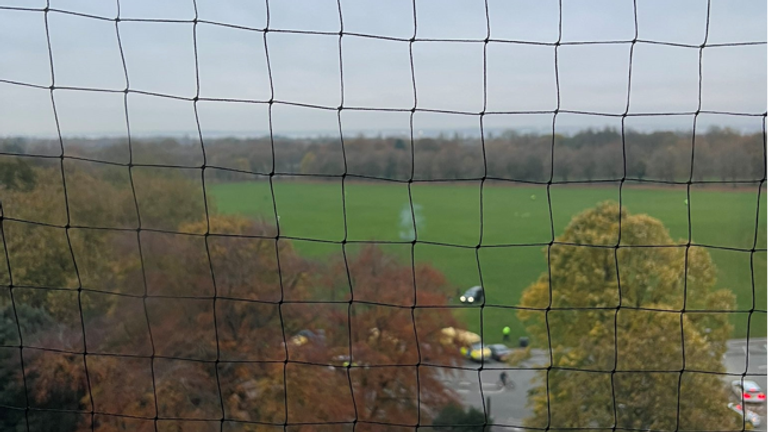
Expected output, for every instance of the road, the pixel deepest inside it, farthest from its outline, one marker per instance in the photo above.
(508, 407)
(751, 361)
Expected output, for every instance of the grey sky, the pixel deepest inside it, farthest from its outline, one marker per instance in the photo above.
(449, 75)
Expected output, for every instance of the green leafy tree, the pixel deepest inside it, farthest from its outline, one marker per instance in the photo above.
(16, 175)
(168, 200)
(40, 255)
(308, 163)
(620, 310)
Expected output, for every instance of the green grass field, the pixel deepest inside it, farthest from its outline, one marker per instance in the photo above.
(450, 213)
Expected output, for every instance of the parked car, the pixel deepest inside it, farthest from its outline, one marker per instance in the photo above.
(344, 361)
(474, 295)
(499, 351)
(305, 336)
(748, 390)
(751, 418)
(479, 352)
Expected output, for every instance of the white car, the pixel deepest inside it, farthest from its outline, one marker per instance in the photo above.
(749, 391)
(752, 417)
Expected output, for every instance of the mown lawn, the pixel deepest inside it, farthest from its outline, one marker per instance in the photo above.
(516, 217)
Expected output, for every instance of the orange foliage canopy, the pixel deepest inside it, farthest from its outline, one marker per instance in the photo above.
(213, 340)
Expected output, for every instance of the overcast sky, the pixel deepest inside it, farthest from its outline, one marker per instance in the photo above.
(377, 73)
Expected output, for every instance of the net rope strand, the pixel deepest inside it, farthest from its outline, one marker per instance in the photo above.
(486, 409)
(145, 285)
(67, 227)
(16, 318)
(217, 363)
(753, 309)
(207, 233)
(350, 306)
(551, 359)
(619, 291)
(276, 215)
(411, 207)
(688, 214)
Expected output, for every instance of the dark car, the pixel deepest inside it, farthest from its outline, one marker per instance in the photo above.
(499, 351)
(474, 295)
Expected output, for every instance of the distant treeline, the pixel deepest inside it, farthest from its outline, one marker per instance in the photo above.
(718, 155)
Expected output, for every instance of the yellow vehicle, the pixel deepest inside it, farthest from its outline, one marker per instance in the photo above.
(305, 336)
(479, 353)
(298, 340)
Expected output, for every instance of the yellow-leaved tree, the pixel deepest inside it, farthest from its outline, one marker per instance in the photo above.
(628, 314)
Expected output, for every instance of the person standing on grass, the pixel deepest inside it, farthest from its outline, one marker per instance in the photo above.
(505, 332)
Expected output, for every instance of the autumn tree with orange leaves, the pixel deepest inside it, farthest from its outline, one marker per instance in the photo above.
(198, 325)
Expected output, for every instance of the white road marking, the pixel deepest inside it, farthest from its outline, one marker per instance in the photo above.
(512, 422)
(494, 388)
(457, 383)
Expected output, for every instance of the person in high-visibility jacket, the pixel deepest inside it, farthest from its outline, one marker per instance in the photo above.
(505, 332)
